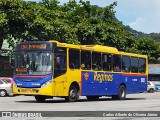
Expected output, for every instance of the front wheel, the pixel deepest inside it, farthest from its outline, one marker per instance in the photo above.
(121, 93)
(73, 94)
(40, 98)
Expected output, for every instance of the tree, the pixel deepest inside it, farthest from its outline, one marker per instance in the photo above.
(95, 25)
(22, 20)
(76, 23)
(148, 46)
(47, 20)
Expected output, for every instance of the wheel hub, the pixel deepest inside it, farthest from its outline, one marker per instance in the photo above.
(72, 93)
(3, 93)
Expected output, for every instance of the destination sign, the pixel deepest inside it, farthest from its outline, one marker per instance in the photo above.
(23, 70)
(33, 46)
(36, 45)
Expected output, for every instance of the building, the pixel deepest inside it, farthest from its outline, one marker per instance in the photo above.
(154, 73)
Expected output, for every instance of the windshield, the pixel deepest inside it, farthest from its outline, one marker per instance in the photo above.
(33, 63)
(6, 80)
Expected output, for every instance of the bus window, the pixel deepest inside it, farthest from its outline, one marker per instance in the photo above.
(142, 65)
(125, 63)
(134, 64)
(96, 61)
(60, 61)
(107, 62)
(116, 63)
(74, 59)
(86, 60)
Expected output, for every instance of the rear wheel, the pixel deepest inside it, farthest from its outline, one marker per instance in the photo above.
(40, 98)
(92, 98)
(73, 94)
(3, 93)
(121, 93)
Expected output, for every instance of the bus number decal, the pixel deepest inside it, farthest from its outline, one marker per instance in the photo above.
(103, 77)
(142, 79)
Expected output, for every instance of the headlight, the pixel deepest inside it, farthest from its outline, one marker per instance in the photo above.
(14, 84)
(46, 83)
(17, 84)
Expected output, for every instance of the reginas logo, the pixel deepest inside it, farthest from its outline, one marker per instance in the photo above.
(103, 77)
(86, 76)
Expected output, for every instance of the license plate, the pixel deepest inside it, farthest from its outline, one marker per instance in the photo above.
(29, 90)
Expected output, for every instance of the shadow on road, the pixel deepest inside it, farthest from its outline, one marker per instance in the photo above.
(80, 100)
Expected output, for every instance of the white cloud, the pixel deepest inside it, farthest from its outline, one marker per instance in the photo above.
(145, 12)
(139, 24)
(141, 15)
(138, 21)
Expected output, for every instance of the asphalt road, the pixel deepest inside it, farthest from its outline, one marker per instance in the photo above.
(135, 102)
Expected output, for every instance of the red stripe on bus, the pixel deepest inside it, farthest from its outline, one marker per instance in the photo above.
(37, 76)
(135, 74)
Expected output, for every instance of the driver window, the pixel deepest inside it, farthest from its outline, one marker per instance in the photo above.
(60, 61)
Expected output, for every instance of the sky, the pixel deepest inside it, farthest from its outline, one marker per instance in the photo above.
(141, 15)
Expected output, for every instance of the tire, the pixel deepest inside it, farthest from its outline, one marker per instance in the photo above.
(121, 93)
(151, 90)
(72, 95)
(3, 93)
(40, 98)
(92, 98)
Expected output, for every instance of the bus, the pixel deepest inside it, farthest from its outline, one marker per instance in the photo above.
(48, 69)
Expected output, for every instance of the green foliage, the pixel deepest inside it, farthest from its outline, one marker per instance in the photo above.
(148, 47)
(148, 44)
(6, 72)
(77, 23)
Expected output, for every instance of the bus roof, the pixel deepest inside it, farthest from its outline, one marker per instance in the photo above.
(65, 44)
(98, 48)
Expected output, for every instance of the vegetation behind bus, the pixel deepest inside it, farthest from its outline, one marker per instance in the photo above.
(22, 20)
(6, 66)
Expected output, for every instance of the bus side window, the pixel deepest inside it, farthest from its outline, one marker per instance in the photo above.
(142, 65)
(57, 63)
(86, 60)
(96, 61)
(60, 61)
(116, 63)
(125, 63)
(107, 62)
(134, 64)
(74, 59)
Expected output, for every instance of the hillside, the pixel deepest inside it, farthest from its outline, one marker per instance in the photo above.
(137, 34)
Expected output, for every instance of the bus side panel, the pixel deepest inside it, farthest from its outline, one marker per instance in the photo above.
(105, 83)
(135, 83)
(63, 82)
(58, 85)
(100, 83)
